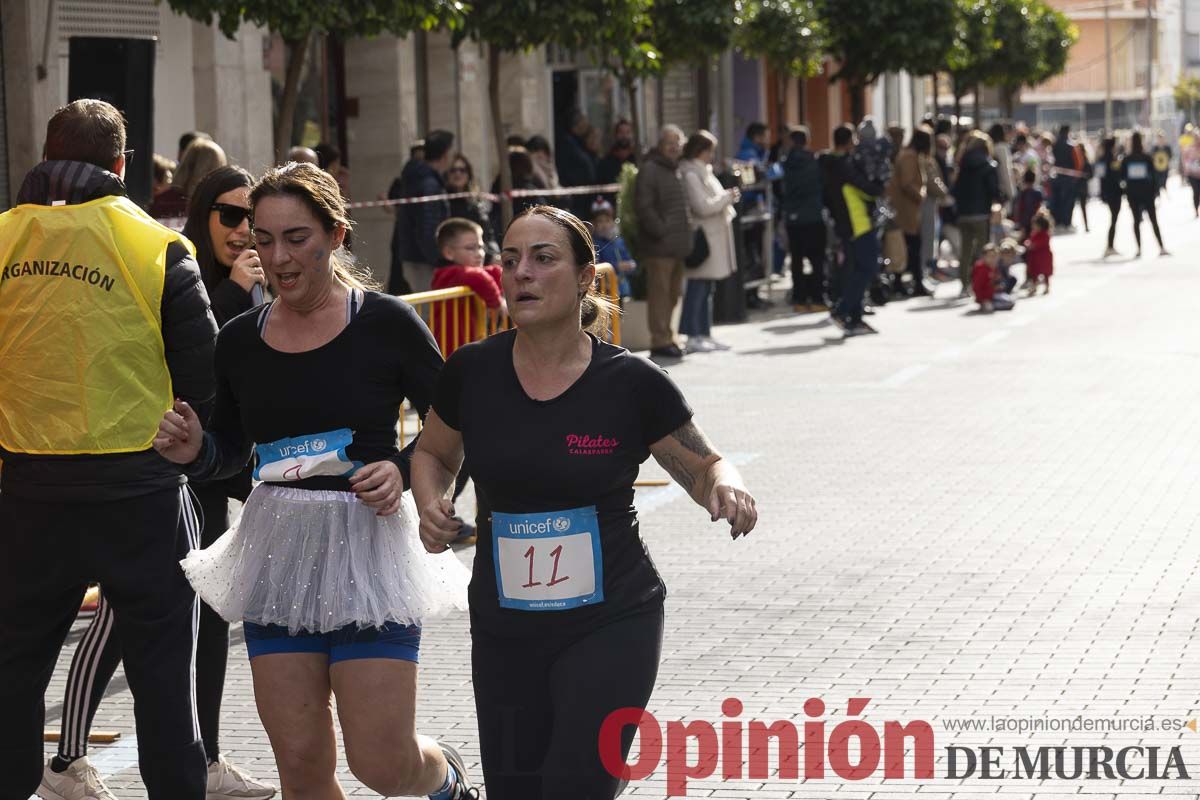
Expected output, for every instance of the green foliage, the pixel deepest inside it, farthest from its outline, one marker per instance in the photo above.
(1031, 44)
(1187, 94)
(785, 33)
(624, 42)
(974, 40)
(522, 25)
(691, 31)
(869, 39)
(295, 19)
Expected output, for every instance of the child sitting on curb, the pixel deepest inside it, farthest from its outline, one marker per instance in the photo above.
(984, 276)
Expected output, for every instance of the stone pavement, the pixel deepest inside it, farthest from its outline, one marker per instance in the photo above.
(964, 517)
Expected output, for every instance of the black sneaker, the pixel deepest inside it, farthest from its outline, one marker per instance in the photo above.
(463, 789)
(860, 329)
(670, 352)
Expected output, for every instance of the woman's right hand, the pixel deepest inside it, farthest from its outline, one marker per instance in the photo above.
(179, 434)
(439, 526)
(736, 193)
(247, 270)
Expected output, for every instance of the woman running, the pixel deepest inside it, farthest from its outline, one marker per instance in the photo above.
(566, 605)
(218, 223)
(1137, 173)
(324, 568)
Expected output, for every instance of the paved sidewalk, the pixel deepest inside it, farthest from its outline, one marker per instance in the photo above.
(962, 517)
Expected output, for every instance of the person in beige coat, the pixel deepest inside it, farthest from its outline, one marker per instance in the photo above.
(907, 191)
(711, 207)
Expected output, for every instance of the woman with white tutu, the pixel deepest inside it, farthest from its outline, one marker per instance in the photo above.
(324, 569)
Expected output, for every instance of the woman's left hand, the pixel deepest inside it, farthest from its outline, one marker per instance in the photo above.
(380, 485)
(731, 501)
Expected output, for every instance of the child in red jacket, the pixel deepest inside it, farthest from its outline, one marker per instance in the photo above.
(985, 276)
(1039, 258)
(460, 243)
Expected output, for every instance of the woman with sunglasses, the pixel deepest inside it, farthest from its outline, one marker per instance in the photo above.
(461, 178)
(218, 224)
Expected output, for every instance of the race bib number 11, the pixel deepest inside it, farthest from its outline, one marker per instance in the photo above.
(548, 561)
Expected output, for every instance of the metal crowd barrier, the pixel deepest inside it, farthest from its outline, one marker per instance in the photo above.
(457, 316)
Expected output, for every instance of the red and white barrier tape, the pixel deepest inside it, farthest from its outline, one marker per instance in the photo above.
(177, 223)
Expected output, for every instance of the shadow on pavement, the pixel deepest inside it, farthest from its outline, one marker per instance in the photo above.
(940, 305)
(823, 322)
(796, 349)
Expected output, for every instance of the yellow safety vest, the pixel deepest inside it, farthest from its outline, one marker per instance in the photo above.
(82, 364)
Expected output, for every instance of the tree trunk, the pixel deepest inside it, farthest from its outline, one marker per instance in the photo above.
(506, 185)
(957, 107)
(297, 53)
(781, 82)
(1010, 94)
(802, 99)
(975, 110)
(857, 104)
(635, 117)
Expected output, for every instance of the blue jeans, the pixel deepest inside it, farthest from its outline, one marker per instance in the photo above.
(864, 257)
(696, 319)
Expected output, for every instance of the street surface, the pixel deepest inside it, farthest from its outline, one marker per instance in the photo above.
(963, 517)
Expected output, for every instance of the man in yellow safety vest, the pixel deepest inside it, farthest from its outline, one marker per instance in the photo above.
(103, 322)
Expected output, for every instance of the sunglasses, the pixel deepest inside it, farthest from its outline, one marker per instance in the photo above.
(231, 216)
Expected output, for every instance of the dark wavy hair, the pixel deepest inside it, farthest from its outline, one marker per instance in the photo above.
(212, 186)
(595, 310)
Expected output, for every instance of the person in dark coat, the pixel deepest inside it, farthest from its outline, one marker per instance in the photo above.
(975, 189)
(802, 214)
(414, 237)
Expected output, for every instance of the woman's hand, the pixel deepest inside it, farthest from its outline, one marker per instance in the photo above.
(735, 193)
(380, 485)
(179, 434)
(247, 270)
(729, 500)
(439, 525)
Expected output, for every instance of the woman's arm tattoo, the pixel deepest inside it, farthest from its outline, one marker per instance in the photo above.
(693, 439)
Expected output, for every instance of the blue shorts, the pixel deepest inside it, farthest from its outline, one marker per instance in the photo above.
(393, 640)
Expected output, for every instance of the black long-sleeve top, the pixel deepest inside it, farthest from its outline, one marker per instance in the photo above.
(358, 380)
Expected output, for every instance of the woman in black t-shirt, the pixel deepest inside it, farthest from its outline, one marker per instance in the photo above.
(324, 568)
(1137, 172)
(566, 605)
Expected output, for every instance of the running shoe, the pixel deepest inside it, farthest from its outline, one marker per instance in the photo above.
(464, 789)
(79, 781)
(227, 782)
(859, 329)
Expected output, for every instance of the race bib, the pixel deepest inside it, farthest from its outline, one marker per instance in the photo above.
(305, 457)
(549, 561)
(1137, 172)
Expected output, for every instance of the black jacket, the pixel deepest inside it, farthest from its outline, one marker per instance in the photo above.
(1139, 189)
(414, 235)
(189, 335)
(837, 171)
(802, 193)
(977, 185)
(1064, 153)
(1110, 181)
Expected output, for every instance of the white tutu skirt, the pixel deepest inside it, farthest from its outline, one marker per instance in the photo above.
(317, 561)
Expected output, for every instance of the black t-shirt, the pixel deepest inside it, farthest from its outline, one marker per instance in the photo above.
(357, 380)
(579, 449)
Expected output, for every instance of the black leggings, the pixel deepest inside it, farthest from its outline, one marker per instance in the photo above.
(99, 652)
(540, 705)
(1114, 210)
(1195, 183)
(1140, 207)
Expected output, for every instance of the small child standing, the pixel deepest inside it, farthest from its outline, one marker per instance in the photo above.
(460, 243)
(984, 276)
(1039, 258)
(610, 247)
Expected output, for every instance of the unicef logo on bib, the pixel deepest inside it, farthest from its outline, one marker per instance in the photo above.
(549, 561)
(303, 457)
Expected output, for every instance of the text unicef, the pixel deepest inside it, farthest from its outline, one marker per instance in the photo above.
(737, 749)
